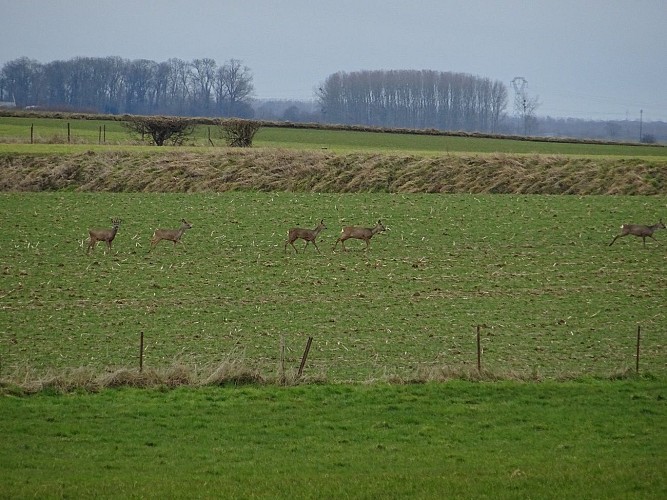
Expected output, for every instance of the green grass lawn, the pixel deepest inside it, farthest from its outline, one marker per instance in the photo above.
(454, 440)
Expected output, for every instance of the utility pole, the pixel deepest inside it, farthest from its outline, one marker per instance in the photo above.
(519, 85)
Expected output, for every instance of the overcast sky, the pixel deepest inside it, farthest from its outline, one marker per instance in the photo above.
(598, 59)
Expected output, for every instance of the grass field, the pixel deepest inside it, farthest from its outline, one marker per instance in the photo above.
(456, 440)
(50, 135)
(555, 300)
(556, 412)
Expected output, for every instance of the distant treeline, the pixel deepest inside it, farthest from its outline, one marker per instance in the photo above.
(406, 99)
(414, 99)
(114, 85)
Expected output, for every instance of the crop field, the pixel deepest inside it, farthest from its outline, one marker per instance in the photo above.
(391, 403)
(536, 272)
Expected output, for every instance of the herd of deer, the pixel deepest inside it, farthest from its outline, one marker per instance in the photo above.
(310, 235)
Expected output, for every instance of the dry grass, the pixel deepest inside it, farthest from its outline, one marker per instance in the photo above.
(235, 373)
(306, 171)
(229, 372)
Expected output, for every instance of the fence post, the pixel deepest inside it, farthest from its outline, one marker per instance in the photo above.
(32, 130)
(479, 351)
(305, 355)
(68, 133)
(639, 330)
(141, 352)
(282, 359)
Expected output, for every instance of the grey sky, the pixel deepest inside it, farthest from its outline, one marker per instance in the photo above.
(599, 59)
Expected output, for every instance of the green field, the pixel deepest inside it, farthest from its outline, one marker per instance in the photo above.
(555, 300)
(391, 403)
(456, 440)
(50, 135)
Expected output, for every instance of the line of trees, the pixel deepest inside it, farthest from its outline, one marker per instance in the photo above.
(114, 85)
(414, 99)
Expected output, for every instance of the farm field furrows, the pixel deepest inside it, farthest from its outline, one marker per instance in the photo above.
(536, 272)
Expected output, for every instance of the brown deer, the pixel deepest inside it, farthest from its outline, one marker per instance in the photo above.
(305, 234)
(106, 235)
(360, 233)
(170, 234)
(639, 231)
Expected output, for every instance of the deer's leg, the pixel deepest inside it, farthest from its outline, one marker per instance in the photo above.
(653, 238)
(292, 243)
(615, 238)
(318, 250)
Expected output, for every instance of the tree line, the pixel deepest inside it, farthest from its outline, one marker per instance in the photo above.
(414, 99)
(119, 86)
(410, 99)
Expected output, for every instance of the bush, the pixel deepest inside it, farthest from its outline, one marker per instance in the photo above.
(161, 128)
(239, 133)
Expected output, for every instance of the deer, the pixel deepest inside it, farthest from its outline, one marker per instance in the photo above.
(639, 231)
(106, 235)
(359, 233)
(305, 234)
(169, 234)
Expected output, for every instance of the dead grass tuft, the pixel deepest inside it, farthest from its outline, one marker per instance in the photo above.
(232, 372)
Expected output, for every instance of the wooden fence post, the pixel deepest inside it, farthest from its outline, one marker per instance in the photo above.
(68, 133)
(141, 352)
(305, 355)
(32, 131)
(639, 330)
(282, 359)
(479, 351)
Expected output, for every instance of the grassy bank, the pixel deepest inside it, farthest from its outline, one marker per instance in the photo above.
(179, 171)
(462, 440)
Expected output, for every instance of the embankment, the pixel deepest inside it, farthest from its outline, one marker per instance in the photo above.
(323, 171)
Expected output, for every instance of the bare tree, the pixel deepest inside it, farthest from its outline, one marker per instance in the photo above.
(233, 89)
(21, 80)
(203, 76)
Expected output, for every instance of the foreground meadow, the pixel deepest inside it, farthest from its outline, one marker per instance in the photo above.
(536, 272)
(587, 439)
